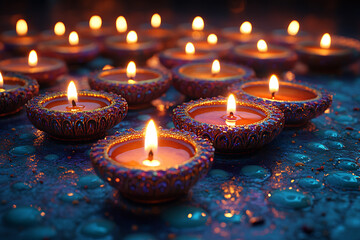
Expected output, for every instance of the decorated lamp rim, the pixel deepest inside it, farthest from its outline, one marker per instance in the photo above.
(203, 151)
(28, 83)
(54, 45)
(58, 65)
(347, 49)
(284, 54)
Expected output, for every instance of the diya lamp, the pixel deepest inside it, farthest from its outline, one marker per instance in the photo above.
(209, 44)
(57, 33)
(201, 80)
(152, 166)
(157, 30)
(291, 37)
(139, 86)
(72, 50)
(263, 58)
(329, 54)
(76, 115)
(299, 102)
(196, 30)
(44, 70)
(125, 48)
(173, 57)
(20, 41)
(15, 91)
(231, 126)
(244, 34)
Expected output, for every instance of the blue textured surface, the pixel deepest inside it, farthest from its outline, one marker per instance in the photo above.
(304, 184)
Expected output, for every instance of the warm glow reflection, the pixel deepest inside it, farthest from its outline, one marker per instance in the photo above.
(73, 38)
(21, 27)
(325, 41)
(131, 70)
(215, 67)
(262, 46)
(155, 20)
(231, 105)
(212, 39)
(59, 29)
(72, 93)
(131, 37)
(198, 24)
(107, 67)
(293, 28)
(273, 84)
(33, 58)
(1, 80)
(246, 28)
(95, 22)
(151, 145)
(121, 24)
(190, 48)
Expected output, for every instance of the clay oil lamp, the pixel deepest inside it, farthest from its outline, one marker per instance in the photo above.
(57, 33)
(231, 126)
(163, 33)
(329, 54)
(72, 50)
(152, 166)
(210, 43)
(244, 34)
(201, 80)
(138, 86)
(15, 91)
(291, 37)
(173, 57)
(129, 47)
(76, 116)
(45, 70)
(263, 58)
(20, 41)
(196, 30)
(298, 101)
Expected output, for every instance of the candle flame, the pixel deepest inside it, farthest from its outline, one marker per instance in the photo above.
(293, 28)
(95, 22)
(246, 27)
(231, 105)
(273, 84)
(21, 27)
(72, 93)
(32, 59)
(198, 24)
(151, 144)
(215, 67)
(212, 39)
(262, 46)
(190, 48)
(155, 20)
(59, 29)
(107, 67)
(73, 38)
(1, 80)
(325, 41)
(131, 70)
(121, 24)
(131, 37)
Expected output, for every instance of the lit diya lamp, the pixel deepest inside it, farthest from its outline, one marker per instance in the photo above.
(244, 34)
(196, 30)
(163, 33)
(139, 86)
(71, 50)
(299, 102)
(57, 33)
(15, 91)
(329, 54)
(125, 48)
(173, 57)
(290, 37)
(263, 58)
(45, 70)
(210, 43)
(201, 80)
(231, 126)
(19, 41)
(76, 115)
(152, 166)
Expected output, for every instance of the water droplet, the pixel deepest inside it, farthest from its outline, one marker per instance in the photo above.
(139, 236)
(345, 119)
(27, 136)
(185, 216)
(310, 183)
(98, 228)
(330, 134)
(22, 216)
(90, 181)
(69, 197)
(255, 171)
(343, 180)
(346, 164)
(290, 199)
(317, 146)
(39, 233)
(218, 173)
(335, 145)
(22, 150)
(298, 157)
(228, 217)
(19, 186)
(51, 157)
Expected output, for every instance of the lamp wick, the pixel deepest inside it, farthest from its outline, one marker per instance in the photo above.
(73, 103)
(151, 155)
